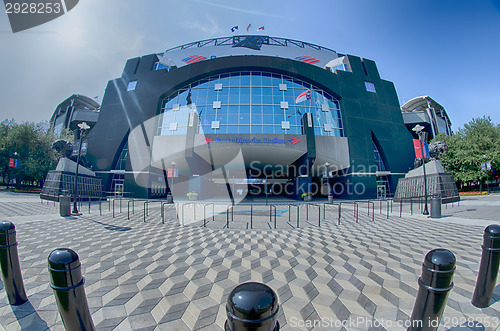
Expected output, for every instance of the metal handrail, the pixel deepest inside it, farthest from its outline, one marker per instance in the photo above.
(270, 214)
(331, 205)
(145, 211)
(184, 206)
(162, 212)
(319, 212)
(289, 212)
(368, 202)
(355, 209)
(227, 215)
(128, 208)
(205, 214)
(251, 216)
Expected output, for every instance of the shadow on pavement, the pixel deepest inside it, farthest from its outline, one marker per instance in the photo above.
(113, 227)
(31, 319)
(496, 295)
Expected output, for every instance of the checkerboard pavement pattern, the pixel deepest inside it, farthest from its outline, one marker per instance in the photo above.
(153, 276)
(27, 208)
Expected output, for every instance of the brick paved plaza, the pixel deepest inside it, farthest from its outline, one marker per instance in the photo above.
(153, 276)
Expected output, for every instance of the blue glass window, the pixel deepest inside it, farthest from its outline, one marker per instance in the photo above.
(250, 103)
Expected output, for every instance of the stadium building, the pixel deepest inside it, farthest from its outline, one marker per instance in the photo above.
(250, 116)
(426, 112)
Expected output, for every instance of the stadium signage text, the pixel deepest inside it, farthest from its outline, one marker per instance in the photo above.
(239, 140)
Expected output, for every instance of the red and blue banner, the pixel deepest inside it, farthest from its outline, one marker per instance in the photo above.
(417, 144)
(171, 173)
(13, 163)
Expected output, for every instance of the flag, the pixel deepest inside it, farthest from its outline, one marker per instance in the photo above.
(172, 172)
(418, 150)
(426, 149)
(96, 98)
(234, 28)
(306, 95)
(261, 28)
(13, 163)
(249, 26)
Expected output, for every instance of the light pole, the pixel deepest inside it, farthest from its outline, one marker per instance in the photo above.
(419, 130)
(83, 127)
(486, 167)
(173, 163)
(14, 166)
(327, 176)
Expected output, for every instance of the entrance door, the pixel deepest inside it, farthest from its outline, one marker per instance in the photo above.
(381, 189)
(119, 190)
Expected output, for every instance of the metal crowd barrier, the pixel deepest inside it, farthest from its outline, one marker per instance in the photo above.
(227, 215)
(289, 213)
(355, 209)
(271, 214)
(205, 214)
(319, 212)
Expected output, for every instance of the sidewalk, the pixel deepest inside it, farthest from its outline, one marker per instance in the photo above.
(154, 276)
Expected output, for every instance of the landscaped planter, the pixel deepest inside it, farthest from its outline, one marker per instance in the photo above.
(192, 196)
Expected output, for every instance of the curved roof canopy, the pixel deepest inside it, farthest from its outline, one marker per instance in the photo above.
(421, 103)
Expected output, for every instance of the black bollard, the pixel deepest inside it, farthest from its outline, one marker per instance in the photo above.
(252, 306)
(9, 263)
(67, 282)
(488, 269)
(434, 285)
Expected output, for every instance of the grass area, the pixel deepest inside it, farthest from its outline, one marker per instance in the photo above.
(473, 193)
(27, 190)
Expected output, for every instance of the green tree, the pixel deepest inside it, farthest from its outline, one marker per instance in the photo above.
(5, 127)
(31, 144)
(467, 148)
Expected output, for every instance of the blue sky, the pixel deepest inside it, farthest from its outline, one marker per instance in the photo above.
(446, 49)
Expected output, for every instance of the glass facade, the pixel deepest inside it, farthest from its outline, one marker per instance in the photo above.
(383, 187)
(160, 66)
(250, 103)
(378, 159)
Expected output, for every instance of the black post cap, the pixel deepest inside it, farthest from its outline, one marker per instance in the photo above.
(64, 267)
(7, 233)
(438, 269)
(6, 227)
(252, 302)
(492, 236)
(63, 259)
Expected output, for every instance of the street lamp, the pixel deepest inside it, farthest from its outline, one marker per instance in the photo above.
(83, 127)
(173, 164)
(419, 130)
(486, 167)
